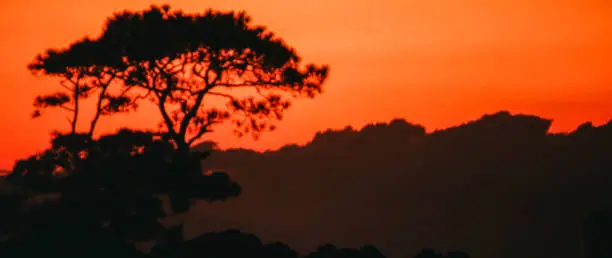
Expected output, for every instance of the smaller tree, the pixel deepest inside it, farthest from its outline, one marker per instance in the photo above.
(81, 76)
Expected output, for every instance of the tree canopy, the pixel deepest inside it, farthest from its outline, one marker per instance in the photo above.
(184, 64)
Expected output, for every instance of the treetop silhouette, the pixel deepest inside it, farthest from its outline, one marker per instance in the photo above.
(182, 62)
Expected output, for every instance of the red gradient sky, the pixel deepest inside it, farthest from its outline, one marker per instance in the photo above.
(433, 62)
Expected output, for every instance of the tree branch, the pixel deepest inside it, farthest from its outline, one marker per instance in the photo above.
(247, 84)
(200, 97)
(62, 83)
(75, 116)
(66, 108)
(203, 130)
(163, 96)
(94, 121)
(101, 98)
(222, 95)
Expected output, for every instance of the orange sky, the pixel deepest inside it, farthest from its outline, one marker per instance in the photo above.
(434, 62)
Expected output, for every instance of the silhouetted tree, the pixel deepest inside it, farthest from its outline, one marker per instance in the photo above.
(110, 187)
(81, 76)
(178, 60)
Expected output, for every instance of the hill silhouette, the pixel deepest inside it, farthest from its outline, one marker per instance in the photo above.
(499, 186)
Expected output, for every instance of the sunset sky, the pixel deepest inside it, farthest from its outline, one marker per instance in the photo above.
(432, 62)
